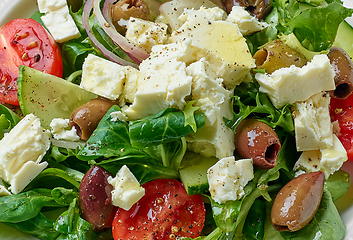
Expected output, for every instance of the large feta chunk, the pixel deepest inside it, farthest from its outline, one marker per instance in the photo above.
(127, 190)
(219, 39)
(215, 139)
(247, 24)
(312, 123)
(227, 178)
(105, 78)
(289, 85)
(328, 160)
(21, 151)
(60, 130)
(58, 20)
(164, 82)
(146, 34)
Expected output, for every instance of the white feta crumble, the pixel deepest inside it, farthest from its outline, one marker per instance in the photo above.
(118, 115)
(127, 190)
(146, 34)
(247, 24)
(289, 85)
(21, 152)
(60, 130)
(312, 123)
(328, 160)
(58, 20)
(228, 177)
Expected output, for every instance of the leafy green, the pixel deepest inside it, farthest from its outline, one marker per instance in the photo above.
(338, 184)
(26, 205)
(326, 224)
(39, 226)
(249, 102)
(189, 111)
(64, 196)
(254, 223)
(8, 119)
(165, 126)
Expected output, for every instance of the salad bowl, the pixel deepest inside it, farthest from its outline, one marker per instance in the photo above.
(12, 9)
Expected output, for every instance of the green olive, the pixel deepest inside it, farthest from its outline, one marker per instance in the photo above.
(276, 55)
(124, 9)
(86, 117)
(297, 202)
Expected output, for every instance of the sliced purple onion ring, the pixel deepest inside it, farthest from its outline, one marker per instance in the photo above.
(111, 56)
(136, 53)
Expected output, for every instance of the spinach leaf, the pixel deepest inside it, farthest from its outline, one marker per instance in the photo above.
(165, 126)
(8, 119)
(72, 226)
(255, 221)
(51, 178)
(75, 53)
(64, 196)
(326, 224)
(39, 226)
(25, 205)
(189, 112)
(110, 139)
(338, 184)
(144, 168)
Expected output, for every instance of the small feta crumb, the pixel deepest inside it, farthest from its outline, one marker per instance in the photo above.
(118, 115)
(227, 178)
(127, 190)
(60, 130)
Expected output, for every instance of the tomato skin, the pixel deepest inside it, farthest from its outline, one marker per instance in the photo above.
(166, 211)
(342, 111)
(25, 42)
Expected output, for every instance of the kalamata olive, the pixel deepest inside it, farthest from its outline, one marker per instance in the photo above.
(124, 9)
(258, 8)
(297, 202)
(257, 140)
(343, 67)
(276, 55)
(95, 198)
(86, 117)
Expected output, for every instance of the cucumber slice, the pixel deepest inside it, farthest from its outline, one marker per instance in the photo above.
(193, 172)
(344, 38)
(48, 96)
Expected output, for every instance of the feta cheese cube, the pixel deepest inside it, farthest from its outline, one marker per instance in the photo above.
(60, 130)
(312, 123)
(328, 160)
(220, 39)
(127, 190)
(289, 85)
(227, 178)
(247, 24)
(21, 151)
(58, 20)
(104, 77)
(146, 34)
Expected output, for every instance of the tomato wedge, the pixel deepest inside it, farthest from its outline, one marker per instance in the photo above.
(165, 212)
(25, 42)
(342, 111)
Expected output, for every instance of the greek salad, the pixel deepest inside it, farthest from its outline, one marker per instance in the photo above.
(151, 119)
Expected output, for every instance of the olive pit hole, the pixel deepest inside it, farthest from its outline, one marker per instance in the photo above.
(342, 90)
(272, 152)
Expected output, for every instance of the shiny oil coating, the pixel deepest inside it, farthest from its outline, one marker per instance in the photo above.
(297, 202)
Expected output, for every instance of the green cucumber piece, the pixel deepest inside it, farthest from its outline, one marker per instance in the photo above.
(48, 96)
(344, 38)
(193, 172)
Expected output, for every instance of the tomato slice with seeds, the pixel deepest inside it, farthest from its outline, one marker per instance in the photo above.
(25, 42)
(342, 111)
(165, 212)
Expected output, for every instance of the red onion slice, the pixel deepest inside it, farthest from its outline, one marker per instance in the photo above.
(111, 56)
(136, 53)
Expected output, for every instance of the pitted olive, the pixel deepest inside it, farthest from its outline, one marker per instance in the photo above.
(258, 8)
(257, 140)
(297, 202)
(276, 55)
(86, 117)
(343, 67)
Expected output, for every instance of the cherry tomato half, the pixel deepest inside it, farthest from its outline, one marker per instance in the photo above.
(165, 212)
(25, 42)
(342, 111)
